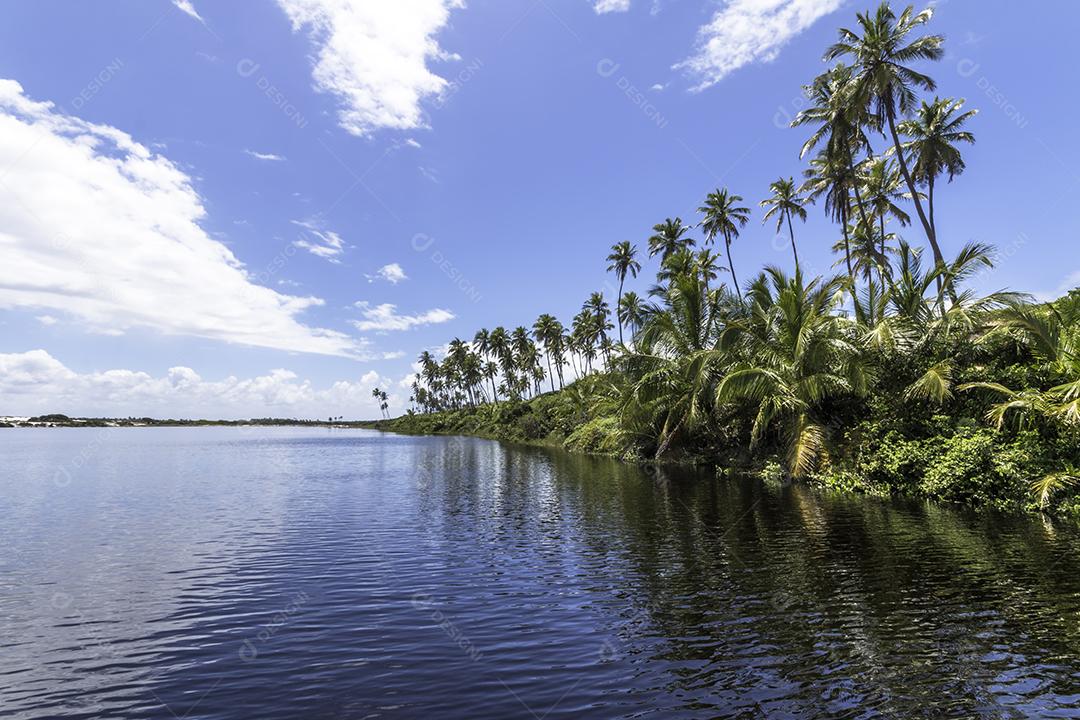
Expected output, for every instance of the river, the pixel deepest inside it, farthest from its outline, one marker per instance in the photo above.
(225, 573)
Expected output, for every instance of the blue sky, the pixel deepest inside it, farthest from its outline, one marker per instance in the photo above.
(269, 207)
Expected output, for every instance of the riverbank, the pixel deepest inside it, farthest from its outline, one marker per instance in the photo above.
(959, 463)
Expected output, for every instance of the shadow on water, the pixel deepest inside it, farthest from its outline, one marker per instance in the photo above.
(353, 575)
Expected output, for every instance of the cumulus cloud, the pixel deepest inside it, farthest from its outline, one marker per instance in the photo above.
(271, 157)
(187, 7)
(608, 6)
(373, 56)
(392, 273)
(385, 318)
(747, 31)
(33, 383)
(99, 227)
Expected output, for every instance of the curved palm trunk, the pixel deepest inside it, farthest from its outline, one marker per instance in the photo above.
(551, 375)
(931, 235)
(731, 266)
(791, 232)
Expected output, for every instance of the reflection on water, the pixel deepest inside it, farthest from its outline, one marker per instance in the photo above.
(285, 573)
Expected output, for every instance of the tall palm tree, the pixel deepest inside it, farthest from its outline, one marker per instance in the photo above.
(501, 350)
(724, 216)
(598, 308)
(934, 133)
(548, 331)
(785, 202)
(885, 83)
(705, 265)
(833, 178)
(631, 312)
(482, 343)
(623, 261)
(882, 183)
(840, 125)
(669, 237)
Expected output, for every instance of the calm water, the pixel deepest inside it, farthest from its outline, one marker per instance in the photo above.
(226, 573)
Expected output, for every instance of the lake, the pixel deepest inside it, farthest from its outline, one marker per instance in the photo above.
(316, 573)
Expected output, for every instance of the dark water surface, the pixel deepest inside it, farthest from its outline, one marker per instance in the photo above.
(226, 573)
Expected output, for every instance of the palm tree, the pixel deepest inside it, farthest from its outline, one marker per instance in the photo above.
(834, 179)
(674, 363)
(882, 183)
(705, 265)
(548, 331)
(623, 261)
(796, 353)
(723, 216)
(935, 131)
(839, 125)
(598, 308)
(482, 342)
(885, 83)
(499, 342)
(668, 238)
(785, 203)
(631, 312)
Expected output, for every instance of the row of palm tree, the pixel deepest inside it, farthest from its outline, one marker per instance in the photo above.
(694, 356)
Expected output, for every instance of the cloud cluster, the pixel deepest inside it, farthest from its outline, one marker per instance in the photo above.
(608, 6)
(34, 383)
(392, 273)
(747, 31)
(385, 318)
(373, 56)
(96, 226)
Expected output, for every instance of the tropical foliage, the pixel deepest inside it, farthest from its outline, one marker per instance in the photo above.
(893, 376)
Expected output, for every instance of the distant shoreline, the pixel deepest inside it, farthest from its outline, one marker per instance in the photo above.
(64, 421)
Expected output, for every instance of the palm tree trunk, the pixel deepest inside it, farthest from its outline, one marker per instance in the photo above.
(731, 266)
(930, 203)
(847, 249)
(551, 375)
(494, 392)
(791, 232)
(618, 318)
(939, 259)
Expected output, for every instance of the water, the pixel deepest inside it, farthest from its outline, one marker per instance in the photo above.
(285, 573)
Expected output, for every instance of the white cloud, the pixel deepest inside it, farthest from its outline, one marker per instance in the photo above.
(608, 6)
(46, 320)
(413, 143)
(326, 244)
(34, 382)
(373, 55)
(385, 318)
(392, 273)
(265, 156)
(99, 227)
(188, 8)
(748, 31)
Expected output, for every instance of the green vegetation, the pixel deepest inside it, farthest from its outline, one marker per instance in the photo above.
(892, 377)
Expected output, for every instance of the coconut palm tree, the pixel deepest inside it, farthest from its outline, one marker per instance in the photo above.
(885, 83)
(833, 178)
(934, 133)
(598, 308)
(631, 312)
(796, 353)
(724, 216)
(669, 237)
(705, 265)
(548, 331)
(674, 362)
(623, 261)
(785, 202)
